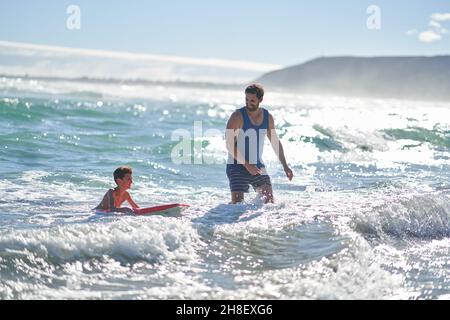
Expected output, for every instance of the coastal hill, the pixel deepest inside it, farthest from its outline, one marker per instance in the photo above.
(426, 78)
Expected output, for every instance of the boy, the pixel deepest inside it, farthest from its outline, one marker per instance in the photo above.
(114, 198)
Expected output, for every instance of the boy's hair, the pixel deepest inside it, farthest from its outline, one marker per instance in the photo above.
(255, 89)
(120, 172)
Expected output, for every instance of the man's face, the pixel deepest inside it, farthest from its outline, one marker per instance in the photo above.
(126, 182)
(252, 102)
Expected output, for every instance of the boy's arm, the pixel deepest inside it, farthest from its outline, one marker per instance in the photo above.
(131, 202)
(278, 147)
(105, 203)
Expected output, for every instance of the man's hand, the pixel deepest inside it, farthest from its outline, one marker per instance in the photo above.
(252, 169)
(289, 173)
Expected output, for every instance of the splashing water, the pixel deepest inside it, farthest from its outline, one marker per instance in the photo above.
(367, 215)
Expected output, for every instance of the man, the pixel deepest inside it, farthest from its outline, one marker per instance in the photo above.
(246, 130)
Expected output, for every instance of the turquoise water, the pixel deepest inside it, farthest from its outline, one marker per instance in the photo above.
(367, 215)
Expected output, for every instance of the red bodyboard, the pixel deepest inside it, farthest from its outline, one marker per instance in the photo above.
(142, 211)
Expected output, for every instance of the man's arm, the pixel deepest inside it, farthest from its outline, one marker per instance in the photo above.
(278, 147)
(234, 125)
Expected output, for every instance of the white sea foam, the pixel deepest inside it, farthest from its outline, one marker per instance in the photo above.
(408, 216)
(133, 239)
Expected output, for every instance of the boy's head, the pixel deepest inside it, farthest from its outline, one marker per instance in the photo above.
(122, 177)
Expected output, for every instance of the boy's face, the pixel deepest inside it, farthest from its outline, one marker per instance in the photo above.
(126, 182)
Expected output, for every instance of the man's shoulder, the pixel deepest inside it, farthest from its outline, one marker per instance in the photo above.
(268, 113)
(236, 115)
(271, 120)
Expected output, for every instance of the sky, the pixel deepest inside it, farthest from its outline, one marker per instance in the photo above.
(280, 32)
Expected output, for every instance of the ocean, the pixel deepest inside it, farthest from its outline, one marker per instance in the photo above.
(367, 215)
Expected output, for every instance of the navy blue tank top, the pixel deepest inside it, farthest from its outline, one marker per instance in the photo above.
(250, 141)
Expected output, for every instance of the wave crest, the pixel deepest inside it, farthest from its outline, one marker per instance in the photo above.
(420, 217)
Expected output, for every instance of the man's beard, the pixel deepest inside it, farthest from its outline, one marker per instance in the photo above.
(252, 108)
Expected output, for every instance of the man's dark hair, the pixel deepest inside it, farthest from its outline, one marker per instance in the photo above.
(120, 172)
(255, 89)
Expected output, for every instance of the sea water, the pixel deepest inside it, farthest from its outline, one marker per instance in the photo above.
(367, 215)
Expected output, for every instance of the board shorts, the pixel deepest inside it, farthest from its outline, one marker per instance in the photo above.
(240, 179)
